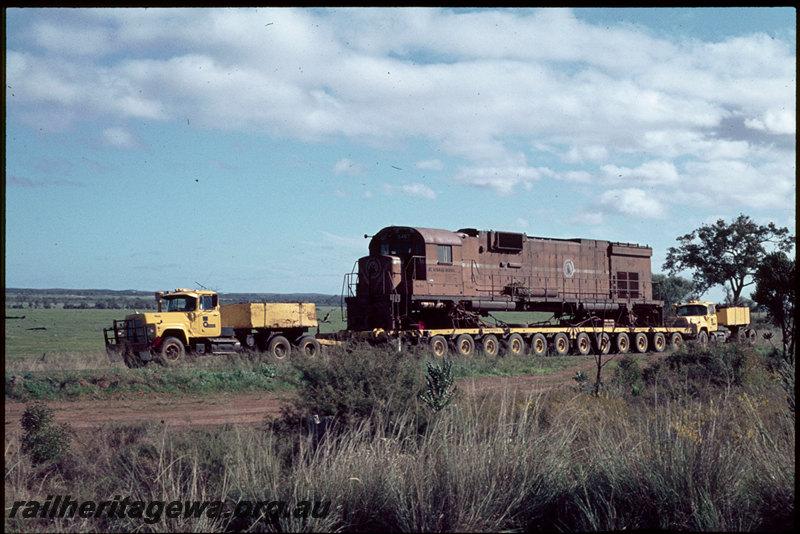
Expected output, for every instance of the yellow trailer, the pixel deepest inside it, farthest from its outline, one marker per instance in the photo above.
(269, 315)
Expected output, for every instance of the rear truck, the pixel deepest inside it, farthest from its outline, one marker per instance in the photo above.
(193, 321)
(707, 323)
(699, 322)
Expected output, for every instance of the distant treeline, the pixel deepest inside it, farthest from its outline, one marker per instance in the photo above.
(82, 299)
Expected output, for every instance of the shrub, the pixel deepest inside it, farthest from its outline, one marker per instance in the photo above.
(440, 390)
(351, 385)
(43, 441)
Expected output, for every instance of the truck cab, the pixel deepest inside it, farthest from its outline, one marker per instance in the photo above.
(184, 318)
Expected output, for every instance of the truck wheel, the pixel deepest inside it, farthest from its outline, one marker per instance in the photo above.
(279, 347)
(640, 342)
(132, 360)
(308, 346)
(490, 345)
(515, 345)
(582, 344)
(659, 342)
(172, 351)
(539, 345)
(603, 343)
(676, 340)
(465, 345)
(561, 344)
(438, 346)
(623, 343)
(702, 337)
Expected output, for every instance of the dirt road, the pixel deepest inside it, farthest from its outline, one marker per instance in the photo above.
(250, 407)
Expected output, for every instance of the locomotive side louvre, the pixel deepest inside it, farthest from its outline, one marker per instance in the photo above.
(420, 275)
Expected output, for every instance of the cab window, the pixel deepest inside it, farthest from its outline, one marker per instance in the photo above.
(208, 302)
(180, 304)
(445, 253)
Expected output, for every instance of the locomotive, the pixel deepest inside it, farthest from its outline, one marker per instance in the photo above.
(430, 278)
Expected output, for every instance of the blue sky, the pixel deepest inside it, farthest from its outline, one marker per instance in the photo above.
(252, 149)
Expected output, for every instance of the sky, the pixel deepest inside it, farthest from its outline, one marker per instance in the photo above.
(251, 150)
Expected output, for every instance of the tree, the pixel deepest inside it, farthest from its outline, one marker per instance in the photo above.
(726, 254)
(671, 289)
(776, 281)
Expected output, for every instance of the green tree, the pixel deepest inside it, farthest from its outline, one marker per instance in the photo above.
(672, 290)
(776, 282)
(726, 254)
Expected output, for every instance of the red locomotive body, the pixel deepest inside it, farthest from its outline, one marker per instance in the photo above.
(428, 278)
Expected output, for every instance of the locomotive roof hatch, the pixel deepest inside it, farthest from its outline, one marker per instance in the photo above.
(428, 235)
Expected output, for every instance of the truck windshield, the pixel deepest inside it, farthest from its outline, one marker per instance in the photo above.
(179, 304)
(694, 309)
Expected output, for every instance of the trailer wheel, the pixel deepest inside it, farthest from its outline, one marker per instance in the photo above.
(515, 345)
(582, 344)
(539, 345)
(561, 344)
(659, 342)
(741, 335)
(438, 346)
(640, 342)
(308, 346)
(465, 345)
(172, 351)
(490, 345)
(603, 343)
(623, 343)
(751, 336)
(279, 347)
(676, 340)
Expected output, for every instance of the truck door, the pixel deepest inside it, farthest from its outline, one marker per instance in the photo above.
(207, 321)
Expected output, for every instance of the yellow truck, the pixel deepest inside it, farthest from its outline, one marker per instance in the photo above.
(705, 322)
(194, 321)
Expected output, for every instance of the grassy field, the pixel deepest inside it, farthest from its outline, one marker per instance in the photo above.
(706, 443)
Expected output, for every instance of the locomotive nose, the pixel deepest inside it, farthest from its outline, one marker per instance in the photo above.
(379, 275)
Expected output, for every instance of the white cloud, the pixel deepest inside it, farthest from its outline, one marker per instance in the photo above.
(493, 90)
(631, 201)
(414, 190)
(120, 138)
(348, 166)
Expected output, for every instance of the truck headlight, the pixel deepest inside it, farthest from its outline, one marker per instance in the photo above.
(151, 332)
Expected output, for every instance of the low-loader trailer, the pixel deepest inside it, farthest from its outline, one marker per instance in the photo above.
(194, 321)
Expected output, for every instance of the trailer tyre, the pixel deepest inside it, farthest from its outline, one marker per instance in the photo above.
(490, 345)
(659, 342)
(676, 340)
(438, 346)
(561, 344)
(583, 344)
(640, 342)
(308, 346)
(515, 345)
(623, 343)
(279, 347)
(465, 345)
(539, 345)
(172, 351)
(751, 336)
(603, 343)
